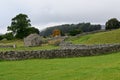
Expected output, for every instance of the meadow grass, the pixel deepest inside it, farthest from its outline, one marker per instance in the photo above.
(20, 46)
(98, 38)
(105, 67)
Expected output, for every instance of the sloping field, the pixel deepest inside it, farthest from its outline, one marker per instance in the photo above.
(98, 38)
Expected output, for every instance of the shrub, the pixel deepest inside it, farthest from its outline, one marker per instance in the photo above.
(75, 32)
(9, 36)
(1, 37)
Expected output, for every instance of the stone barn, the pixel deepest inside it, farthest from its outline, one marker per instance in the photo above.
(32, 40)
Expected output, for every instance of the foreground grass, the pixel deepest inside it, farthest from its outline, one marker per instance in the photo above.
(105, 67)
(98, 38)
(21, 47)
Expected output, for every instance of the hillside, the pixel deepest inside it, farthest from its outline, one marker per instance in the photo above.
(98, 38)
(67, 28)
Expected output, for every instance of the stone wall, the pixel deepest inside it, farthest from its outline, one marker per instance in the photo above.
(60, 53)
(8, 46)
(69, 45)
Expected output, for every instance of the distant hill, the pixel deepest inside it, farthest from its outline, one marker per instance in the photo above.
(98, 38)
(66, 28)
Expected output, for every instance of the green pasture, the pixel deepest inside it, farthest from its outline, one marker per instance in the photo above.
(105, 67)
(20, 46)
(109, 37)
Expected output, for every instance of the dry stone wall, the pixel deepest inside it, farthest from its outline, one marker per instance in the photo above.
(8, 46)
(60, 53)
(69, 45)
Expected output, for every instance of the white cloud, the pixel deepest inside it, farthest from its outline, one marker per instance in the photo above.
(50, 12)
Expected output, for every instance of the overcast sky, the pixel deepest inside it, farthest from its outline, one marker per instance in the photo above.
(43, 13)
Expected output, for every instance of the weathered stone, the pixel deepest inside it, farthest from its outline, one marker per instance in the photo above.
(68, 45)
(8, 46)
(33, 40)
(60, 53)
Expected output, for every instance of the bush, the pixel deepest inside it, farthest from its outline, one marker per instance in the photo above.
(75, 32)
(9, 36)
(1, 37)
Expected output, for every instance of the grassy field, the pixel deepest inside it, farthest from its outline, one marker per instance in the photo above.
(21, 47)
(106, 67)
(98, 38)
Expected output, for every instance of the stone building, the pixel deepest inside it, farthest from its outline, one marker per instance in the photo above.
(32, 40)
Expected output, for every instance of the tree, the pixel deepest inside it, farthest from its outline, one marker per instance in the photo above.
(31, 30)
(19, 25)
(112, 24)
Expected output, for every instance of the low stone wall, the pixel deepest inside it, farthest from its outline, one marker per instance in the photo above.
(68, 45)
(61, 53)
(8, 46)
(92, 32)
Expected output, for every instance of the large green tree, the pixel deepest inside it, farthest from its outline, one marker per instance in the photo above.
(19, 25)
(32, 30)
(112, 24)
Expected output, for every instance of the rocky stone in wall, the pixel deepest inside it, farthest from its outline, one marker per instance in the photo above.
(33, 40)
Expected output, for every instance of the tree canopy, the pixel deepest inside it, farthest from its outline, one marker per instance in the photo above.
(112, 24)
(21, 27)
